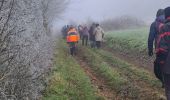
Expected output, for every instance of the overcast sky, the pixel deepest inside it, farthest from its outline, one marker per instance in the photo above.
(81, 10)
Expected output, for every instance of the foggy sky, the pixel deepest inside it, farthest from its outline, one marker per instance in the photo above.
(81, 10)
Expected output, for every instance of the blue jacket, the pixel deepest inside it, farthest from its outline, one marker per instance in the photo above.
(153, 34)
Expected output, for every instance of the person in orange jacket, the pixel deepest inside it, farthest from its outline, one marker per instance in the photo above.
(72, 39)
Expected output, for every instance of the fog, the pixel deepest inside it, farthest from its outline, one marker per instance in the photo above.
(97, 10)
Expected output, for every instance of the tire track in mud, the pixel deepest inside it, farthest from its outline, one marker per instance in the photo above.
(136, 60)
(131, 60)
(144, 88)
(144, 91)
(103, 90)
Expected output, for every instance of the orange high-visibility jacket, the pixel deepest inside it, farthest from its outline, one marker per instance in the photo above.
(73, 36)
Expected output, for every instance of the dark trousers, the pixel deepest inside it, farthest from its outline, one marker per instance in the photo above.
(92, 44)
(158, 65)
(98, 44)
(73, 48)
(73, 51)
(167, 85)
(85, 40)
(158, 71)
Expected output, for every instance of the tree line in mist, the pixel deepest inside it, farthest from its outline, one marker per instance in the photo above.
(111, 24)
(123, 22)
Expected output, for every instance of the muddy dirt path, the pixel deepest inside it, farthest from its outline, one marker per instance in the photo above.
(103, 90)
(144, 88)
(136, 60)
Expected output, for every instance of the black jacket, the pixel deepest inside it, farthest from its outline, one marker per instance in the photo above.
(92, 36)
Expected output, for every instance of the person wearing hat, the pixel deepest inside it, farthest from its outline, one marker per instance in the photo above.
(163, 49)
(153, 36)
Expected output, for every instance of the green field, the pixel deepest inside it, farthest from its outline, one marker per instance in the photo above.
(134, 40)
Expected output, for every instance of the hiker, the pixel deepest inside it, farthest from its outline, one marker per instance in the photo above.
(64, 31)
(72, 39)
(85, 36)
(163, 49)
(99, 34)
(80, 30)
(92, 36)
(153, 36)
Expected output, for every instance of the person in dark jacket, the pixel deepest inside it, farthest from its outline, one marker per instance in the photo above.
(163, 49)
(80, 30)
(153, 36)
(92, 36)
(85, 36)
(64, 31)
(160, 18)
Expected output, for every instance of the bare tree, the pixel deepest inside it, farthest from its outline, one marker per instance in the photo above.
(52, 9)
(25, 48)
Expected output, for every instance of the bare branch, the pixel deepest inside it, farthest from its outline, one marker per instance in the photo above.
(2, 3)
(9, 15)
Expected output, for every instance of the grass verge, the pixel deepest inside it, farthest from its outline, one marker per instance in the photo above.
(68, 81)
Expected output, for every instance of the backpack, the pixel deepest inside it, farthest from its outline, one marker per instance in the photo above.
(159, 25)
(73, 36)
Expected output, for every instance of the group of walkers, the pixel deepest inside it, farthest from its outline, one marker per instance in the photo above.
(160, 33)
(93, 36)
